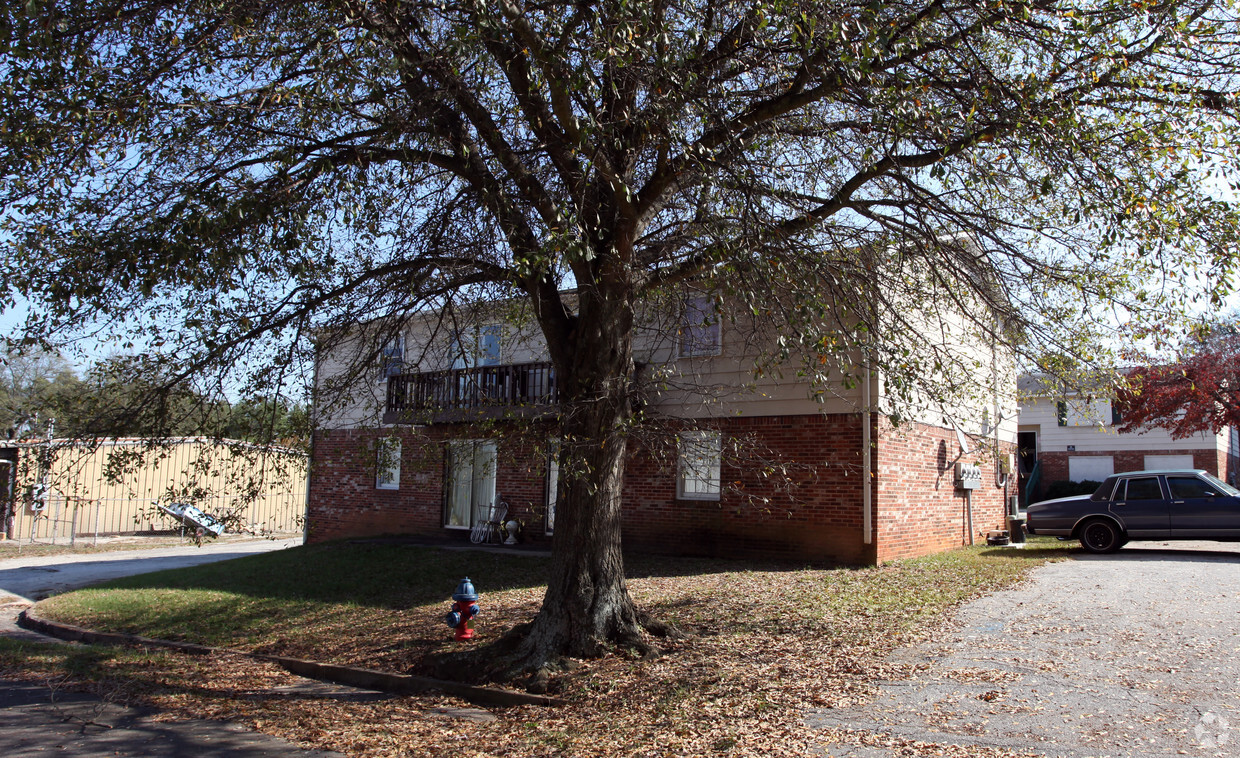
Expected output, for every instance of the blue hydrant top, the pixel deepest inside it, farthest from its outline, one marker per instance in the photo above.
(465, 591)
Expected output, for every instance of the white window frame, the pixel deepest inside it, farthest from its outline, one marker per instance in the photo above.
(699, 462)
(479, 346)
(490, 347)
(387, 463)
(391, 358)
(700, 333)
(481, 485)
(1086, 411)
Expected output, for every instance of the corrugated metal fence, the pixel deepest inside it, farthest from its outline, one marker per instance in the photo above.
(67, 490)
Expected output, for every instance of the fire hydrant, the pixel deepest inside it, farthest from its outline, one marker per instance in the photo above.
(464, 610)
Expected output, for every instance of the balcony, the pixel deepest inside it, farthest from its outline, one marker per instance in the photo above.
(483, 392)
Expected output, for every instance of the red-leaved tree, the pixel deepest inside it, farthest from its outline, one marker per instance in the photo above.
(1199, 393)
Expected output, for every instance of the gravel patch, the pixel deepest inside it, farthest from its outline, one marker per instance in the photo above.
(1132, 654)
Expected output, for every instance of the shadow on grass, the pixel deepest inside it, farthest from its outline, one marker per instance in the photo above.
(1065, 550)
(303, 600)
(397, 577)
(289, 601)
(379, 576)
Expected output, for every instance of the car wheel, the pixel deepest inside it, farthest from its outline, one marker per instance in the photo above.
(1101, 536)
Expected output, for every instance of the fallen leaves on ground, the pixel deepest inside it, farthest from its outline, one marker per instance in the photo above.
(762, 648)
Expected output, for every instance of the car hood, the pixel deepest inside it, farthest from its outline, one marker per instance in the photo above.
(1059, 501)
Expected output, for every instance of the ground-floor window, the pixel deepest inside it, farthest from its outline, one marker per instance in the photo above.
(470, 483)
(387, 464)
(699, 459)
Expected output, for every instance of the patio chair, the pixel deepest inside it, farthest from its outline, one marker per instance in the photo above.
(487, 530)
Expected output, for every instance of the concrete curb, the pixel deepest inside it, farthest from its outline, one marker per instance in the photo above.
(369, 679)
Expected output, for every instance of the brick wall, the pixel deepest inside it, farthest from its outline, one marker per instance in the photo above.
(806, 506)
(1055, 464)
(344, 501)
(810, 509)
(1228, 467)
(918, 509)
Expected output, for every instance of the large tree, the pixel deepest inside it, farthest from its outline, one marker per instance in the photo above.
(1197, 393)
(33, 387)
(229, 177)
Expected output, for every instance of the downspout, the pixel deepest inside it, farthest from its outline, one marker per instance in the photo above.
(313, 412)
(968, 505)
(8, 503)
(867, 493)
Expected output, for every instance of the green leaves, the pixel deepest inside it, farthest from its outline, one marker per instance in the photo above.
(207, 162)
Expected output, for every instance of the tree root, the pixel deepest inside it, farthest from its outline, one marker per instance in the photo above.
(520, 660)
(659, 628)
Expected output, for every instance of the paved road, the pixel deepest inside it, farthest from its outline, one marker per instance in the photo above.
(1133, 654)
(34, 578)
(37, 721)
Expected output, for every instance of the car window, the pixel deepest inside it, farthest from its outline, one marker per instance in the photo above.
(1221, 487)
(1145, 488)
(1104, 490)
(1184, 487)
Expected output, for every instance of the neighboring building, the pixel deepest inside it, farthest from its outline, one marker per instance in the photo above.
(436, 441)
(73, 489)
(1072, 436)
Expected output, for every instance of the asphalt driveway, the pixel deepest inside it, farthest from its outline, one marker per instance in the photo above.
(34, 578)
(37, 720)
(1131, 654)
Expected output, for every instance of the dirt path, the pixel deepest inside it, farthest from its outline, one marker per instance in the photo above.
(1134, 654)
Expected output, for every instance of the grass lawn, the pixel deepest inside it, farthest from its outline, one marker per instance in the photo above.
(764, 642)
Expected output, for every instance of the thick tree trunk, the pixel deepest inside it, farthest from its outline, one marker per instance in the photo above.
(587, 606)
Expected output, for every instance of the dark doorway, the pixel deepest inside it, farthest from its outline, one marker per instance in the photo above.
(1027, 461)
(1027, 449)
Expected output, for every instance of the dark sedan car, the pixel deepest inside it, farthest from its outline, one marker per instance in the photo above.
(1143, 505)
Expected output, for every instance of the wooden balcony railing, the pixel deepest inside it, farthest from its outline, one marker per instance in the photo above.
(483, 388)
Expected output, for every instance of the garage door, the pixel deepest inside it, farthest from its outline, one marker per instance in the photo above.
(1153, 462)
(1092, 468)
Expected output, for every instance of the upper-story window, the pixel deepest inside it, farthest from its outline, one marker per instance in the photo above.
(391, 357)
(1085, 411)
(478, 347)
(489, 344)
(699, 327)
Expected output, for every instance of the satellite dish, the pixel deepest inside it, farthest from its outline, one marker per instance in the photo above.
(963, 439)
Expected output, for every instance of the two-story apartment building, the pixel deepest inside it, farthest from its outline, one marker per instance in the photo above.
(1072, 435)
(733, 460)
